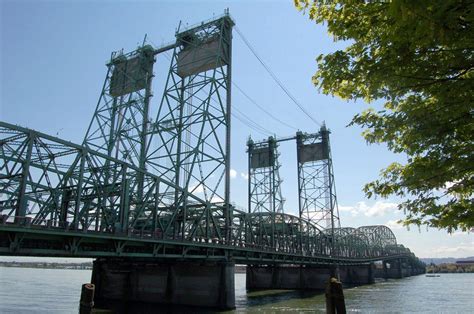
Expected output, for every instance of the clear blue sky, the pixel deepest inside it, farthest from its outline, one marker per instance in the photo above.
(53, 56)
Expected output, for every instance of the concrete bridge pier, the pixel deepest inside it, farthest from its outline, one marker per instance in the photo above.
(305, 277)
(405, 268)
(122, 282)
(287, 277)
(392, 269)
(381, 271)
(356, 275)
(396, 269)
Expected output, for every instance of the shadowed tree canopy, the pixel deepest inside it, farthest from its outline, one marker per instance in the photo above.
(417, 58)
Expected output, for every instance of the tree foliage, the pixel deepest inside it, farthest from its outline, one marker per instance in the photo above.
(417, 57)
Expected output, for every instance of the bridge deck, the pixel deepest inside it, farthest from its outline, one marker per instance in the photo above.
(33, 241)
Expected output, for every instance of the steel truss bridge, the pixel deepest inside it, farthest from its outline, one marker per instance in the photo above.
(159, 188)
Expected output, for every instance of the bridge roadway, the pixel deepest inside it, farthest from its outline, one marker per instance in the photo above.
(61, 199)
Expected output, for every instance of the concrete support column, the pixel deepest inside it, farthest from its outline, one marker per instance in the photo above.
(394, 269)
(124, 281)
(305, 277)
(371, 273)
(404, 269)
(381, 270)
(357, 275)
(287, 277)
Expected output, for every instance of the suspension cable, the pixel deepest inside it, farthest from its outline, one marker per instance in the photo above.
(255, 124)
(275, 78)
(262, 108)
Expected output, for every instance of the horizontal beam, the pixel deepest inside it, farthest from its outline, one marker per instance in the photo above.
(165, 48)
(18, 241)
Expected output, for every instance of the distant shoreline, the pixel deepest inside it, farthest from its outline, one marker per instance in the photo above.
(48, 265)
(75, 266)
(451, 268)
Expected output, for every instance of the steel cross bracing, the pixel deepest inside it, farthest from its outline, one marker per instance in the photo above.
(138, 187)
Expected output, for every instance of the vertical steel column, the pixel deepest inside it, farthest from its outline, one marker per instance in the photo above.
(273, 187)
(179, 138)
(145, 128)
(299, 143)
(79, 190)
(156, 205)
(124, 201)
(228, 210)
(249, 173)
(20, 212)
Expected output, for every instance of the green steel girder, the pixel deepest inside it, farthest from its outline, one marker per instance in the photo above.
(17, 240)
(78, 196)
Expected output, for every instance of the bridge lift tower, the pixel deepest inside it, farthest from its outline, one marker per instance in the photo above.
(187, 143)
(264, 187)
(316, 187)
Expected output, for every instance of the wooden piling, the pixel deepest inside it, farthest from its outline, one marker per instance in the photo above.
(87, 298)
(335, 297)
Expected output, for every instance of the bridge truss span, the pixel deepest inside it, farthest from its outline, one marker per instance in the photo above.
(55, 202)
(48, 182)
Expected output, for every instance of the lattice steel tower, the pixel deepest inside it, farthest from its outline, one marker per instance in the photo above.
(316, 187)
(188, 143)
(119, 125)
(191, 141)
(264, 177)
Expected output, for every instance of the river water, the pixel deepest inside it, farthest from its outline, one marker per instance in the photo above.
(29, 290)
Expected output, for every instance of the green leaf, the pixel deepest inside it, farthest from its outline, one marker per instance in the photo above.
(418, 58)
